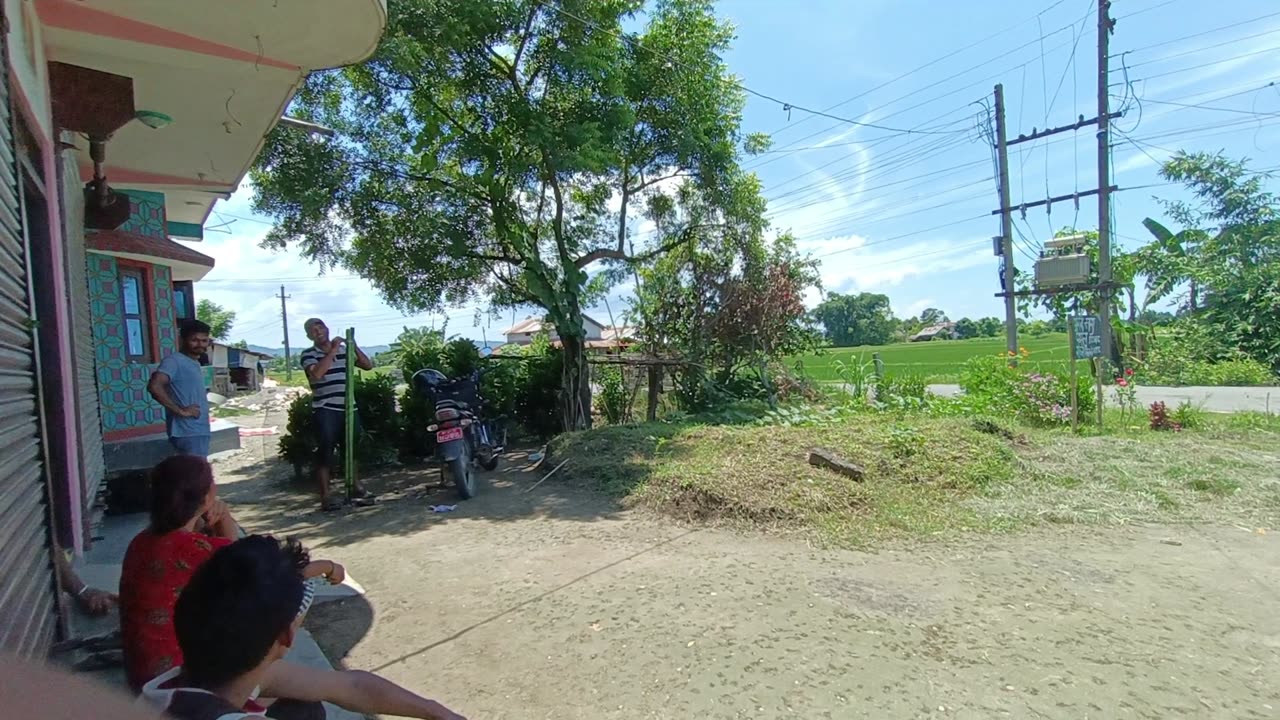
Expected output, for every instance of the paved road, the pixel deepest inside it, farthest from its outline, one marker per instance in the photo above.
(1213, 399)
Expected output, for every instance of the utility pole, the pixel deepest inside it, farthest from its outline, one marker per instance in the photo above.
(1006, 226)
(1105, 25)
(284, 325)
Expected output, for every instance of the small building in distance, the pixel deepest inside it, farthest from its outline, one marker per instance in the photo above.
(232, 369)
(941, 331)
(523, 332)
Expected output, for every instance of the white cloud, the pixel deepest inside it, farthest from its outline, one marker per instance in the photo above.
(920, 306)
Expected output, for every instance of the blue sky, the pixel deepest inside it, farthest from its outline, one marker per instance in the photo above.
(902, 214)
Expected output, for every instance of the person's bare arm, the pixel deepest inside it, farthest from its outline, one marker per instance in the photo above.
(327, 569)
(218, 522)
(91, 601)
(354, 690)
(317, 371)
(362, 361)
(158, 386)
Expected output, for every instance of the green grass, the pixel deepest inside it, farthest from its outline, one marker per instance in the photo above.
(937, 360)
(931, 476)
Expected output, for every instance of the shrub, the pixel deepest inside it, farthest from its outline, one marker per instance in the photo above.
(613, 402)
(459, 358)
(993, 388)
(379, 425)
(537, 396)
(1159, 418)
(907, 386)
(1189, 416)
(420, 348)
(1190, 353)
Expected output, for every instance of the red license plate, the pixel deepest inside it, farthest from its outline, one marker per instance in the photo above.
(451, 434)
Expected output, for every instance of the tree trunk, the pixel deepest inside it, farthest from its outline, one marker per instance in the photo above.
(655, 385)
(575, 391)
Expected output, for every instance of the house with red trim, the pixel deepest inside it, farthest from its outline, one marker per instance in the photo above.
(122, 124)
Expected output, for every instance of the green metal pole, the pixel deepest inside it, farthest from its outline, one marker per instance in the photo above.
(349, 443)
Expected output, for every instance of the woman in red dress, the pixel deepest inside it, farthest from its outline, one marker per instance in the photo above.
(188, 523)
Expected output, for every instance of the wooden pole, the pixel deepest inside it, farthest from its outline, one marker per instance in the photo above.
(1075, 389)
(1006, 229)
(1097, 374)
(349, 439)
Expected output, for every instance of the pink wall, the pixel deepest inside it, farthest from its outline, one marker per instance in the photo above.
(66, 421)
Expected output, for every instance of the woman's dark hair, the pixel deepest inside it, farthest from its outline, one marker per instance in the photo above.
(179, 486)
(236, 606)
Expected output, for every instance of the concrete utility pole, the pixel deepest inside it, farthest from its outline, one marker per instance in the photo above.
(1105, 26)
(284, 325)
(1006, 225)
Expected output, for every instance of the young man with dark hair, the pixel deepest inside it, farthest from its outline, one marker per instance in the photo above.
(325, 363)
(178, 385)
(235, 620)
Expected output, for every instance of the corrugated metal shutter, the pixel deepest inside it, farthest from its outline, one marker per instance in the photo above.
(92, 461)
(28, 594)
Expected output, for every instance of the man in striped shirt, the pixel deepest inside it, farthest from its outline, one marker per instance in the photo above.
(325, 363)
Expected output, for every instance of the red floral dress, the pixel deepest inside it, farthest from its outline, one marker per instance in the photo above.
(156, 568)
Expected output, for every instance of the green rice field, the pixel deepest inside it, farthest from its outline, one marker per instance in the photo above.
(939, 361)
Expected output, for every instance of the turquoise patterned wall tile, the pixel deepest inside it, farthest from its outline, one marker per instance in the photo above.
(146, 214)
(122, 384)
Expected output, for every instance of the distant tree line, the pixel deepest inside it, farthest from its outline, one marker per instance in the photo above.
(867, 319)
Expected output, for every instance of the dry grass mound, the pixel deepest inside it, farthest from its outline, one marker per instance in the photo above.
(917, 474)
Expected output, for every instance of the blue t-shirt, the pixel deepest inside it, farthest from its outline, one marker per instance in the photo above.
(186, 387)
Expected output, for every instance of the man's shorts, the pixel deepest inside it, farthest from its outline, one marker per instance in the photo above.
(330, 428)
(197, 445)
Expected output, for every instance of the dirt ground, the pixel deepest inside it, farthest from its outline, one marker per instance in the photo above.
(554, 603)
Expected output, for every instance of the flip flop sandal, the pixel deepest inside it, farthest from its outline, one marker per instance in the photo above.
(330, 506)
(101, 661)
(366, 500)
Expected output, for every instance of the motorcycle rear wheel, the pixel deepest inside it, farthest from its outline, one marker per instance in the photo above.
(459, 472)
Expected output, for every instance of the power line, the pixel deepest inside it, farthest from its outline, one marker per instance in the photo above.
(871, 217)
(931, 63)
(943, 172)
(273, 281)
(966, 71)
(1203, 65)
(1148, 9)
(786, 105)
(1194, 106)
(951, 223)
(1202, 33)
(885, 167)
(783, 151)
(1071, 61)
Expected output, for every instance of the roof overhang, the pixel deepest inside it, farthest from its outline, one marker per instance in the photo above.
(224, 71)
(186, 264)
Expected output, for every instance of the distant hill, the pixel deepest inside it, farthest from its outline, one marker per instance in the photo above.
(370, 350)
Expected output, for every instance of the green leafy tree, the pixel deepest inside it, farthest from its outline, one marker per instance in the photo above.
(966, 328)
(503, 149)
(219, 319)
(932, 316)
(990, 327)
(1227, 256)
(852, 320)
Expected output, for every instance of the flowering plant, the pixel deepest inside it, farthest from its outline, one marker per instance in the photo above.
(1127, 393)
(992, 387)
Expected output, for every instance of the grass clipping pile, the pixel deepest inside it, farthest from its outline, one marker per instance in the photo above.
(916, 476)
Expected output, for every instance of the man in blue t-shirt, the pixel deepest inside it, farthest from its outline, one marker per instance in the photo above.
(178, 385)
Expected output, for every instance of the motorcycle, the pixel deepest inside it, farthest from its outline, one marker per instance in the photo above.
(464, 437)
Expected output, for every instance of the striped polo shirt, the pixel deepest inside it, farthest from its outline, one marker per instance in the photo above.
(329, 391)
